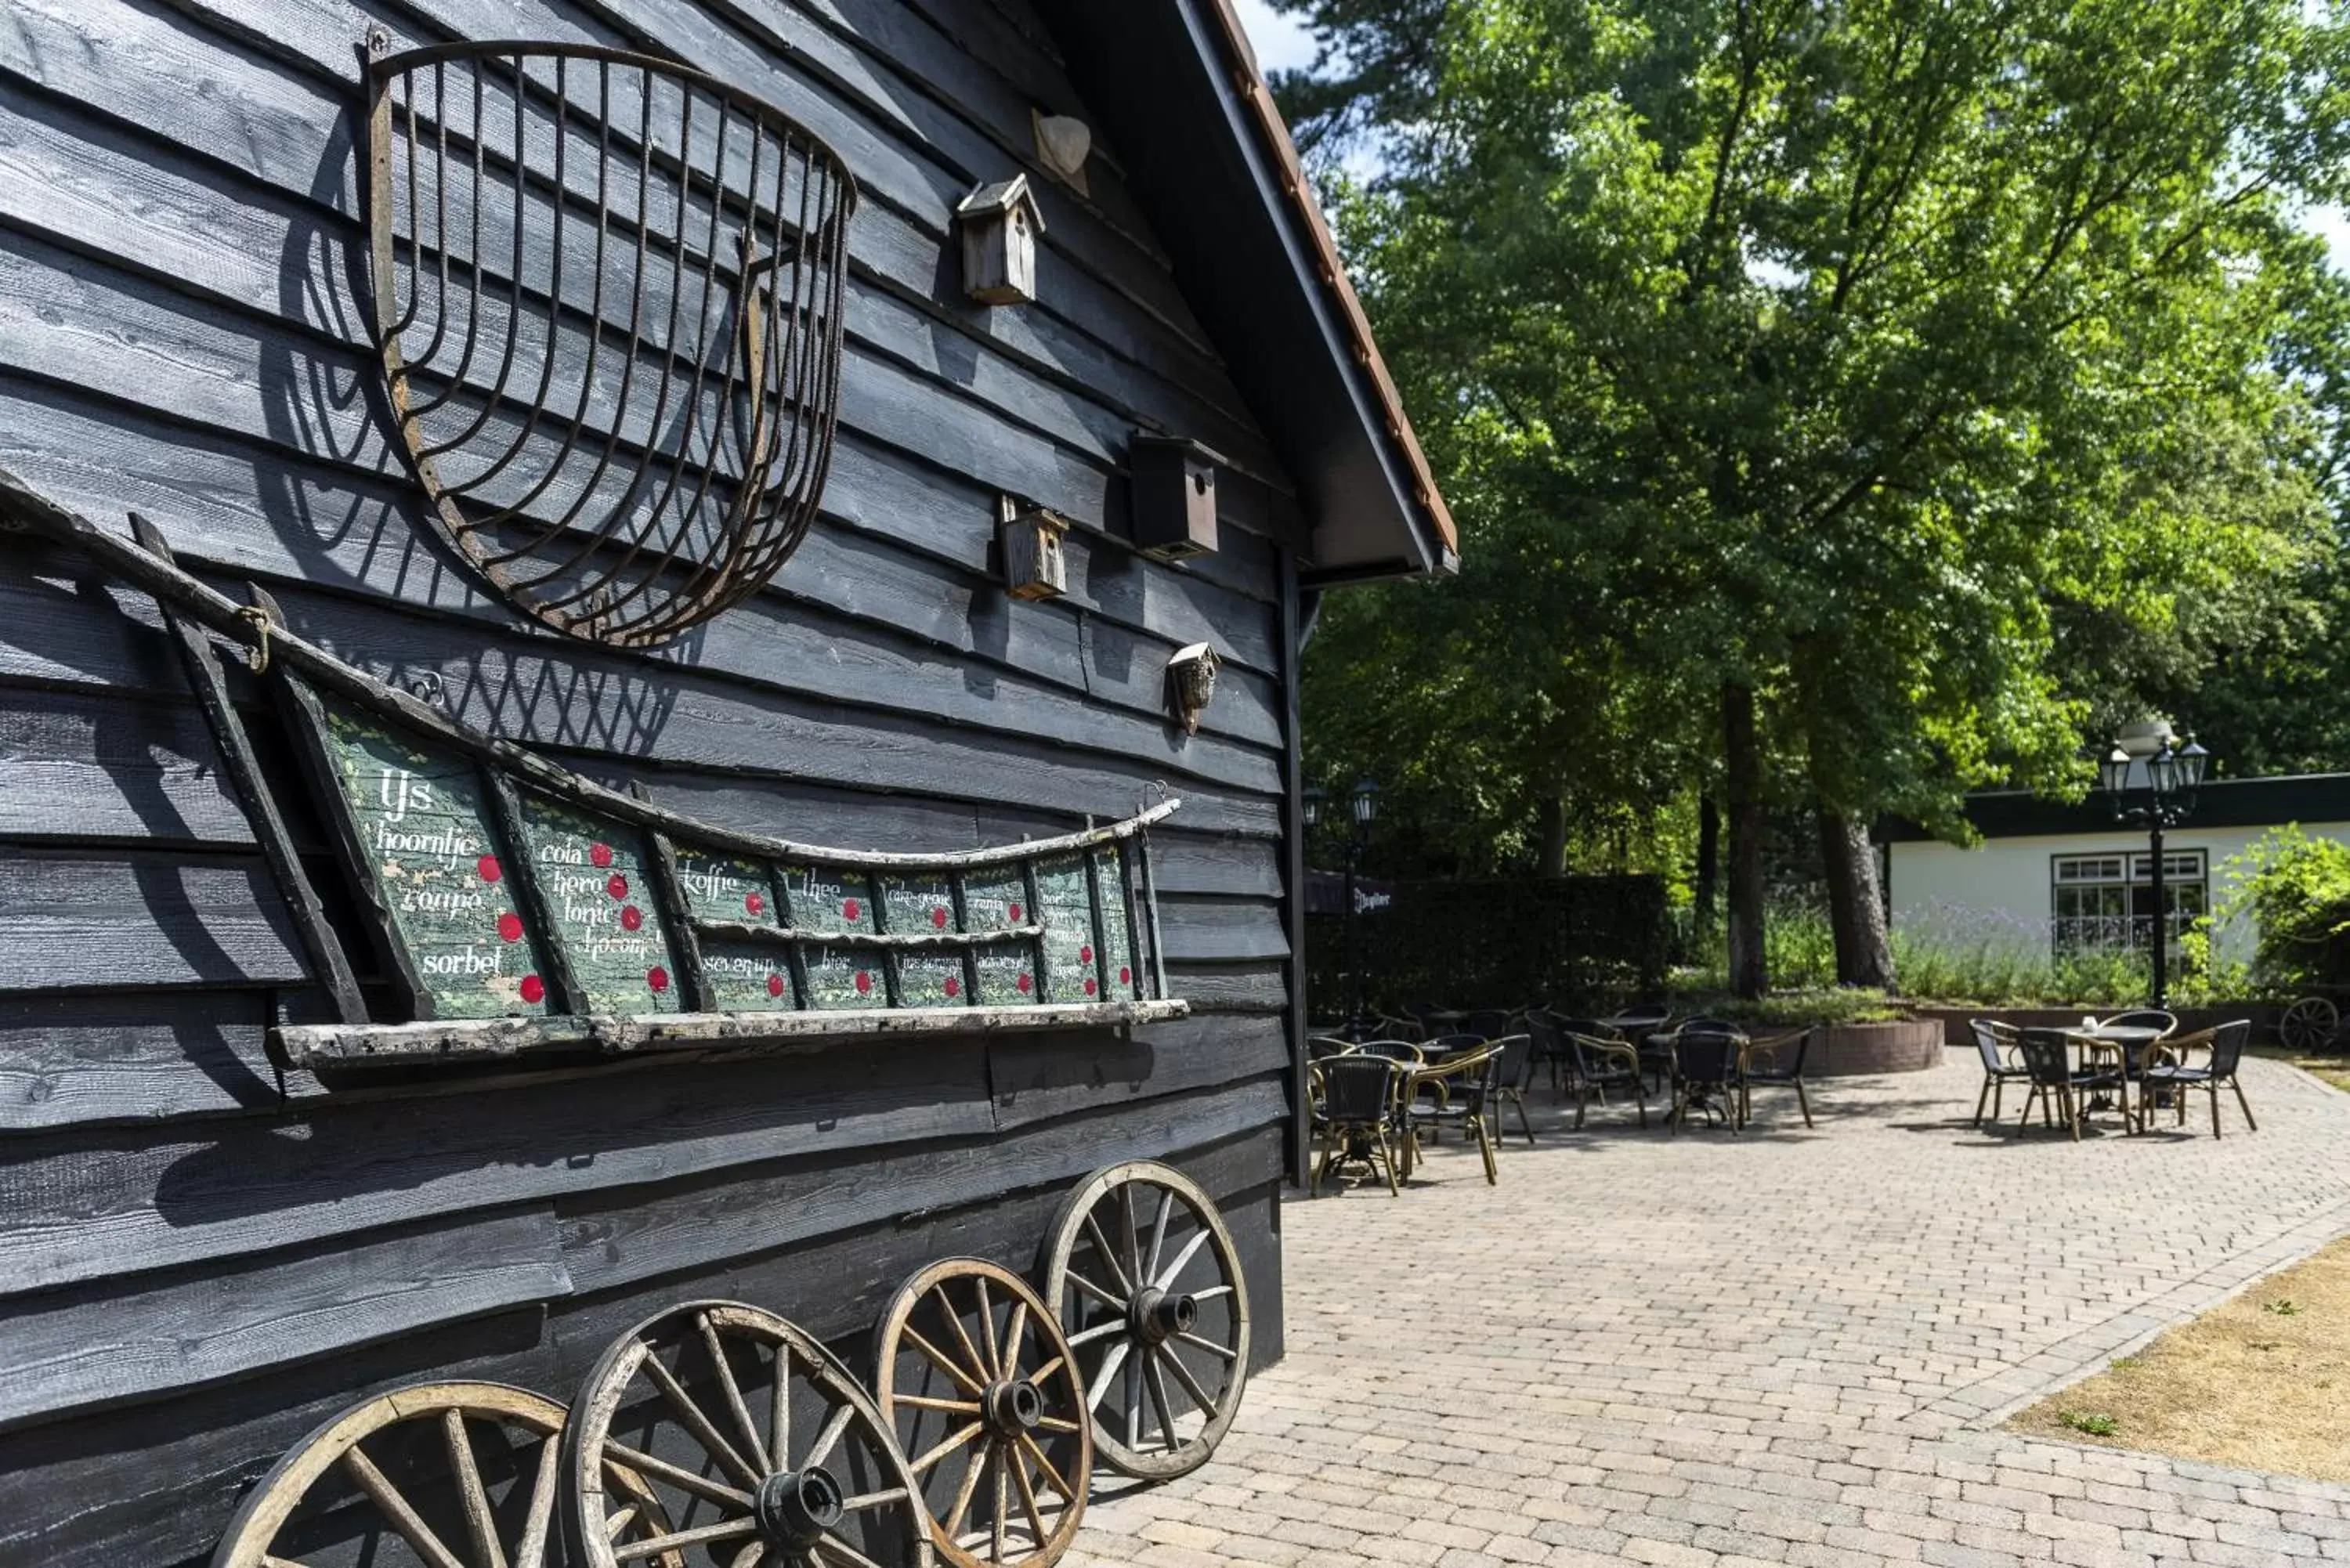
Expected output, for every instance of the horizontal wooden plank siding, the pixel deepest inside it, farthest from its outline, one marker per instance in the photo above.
(202, 1255)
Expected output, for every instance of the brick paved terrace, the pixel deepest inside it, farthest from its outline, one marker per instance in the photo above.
(1789, 1347)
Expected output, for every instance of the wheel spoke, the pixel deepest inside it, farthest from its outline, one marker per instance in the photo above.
(1109, 1259)
(1133, 1239)
(1191, 1385)
(1213, 1292)
(1054, 1424)
(1106, 1373)
(995, 1519)
(1053, 1477)
(1209, 1345)
(829, 1438)
(931, 1402)
(734, 1392)
(1015, 1331)
(677, 1476)
(1098, 1331)
(866, 1499)
(946, 1446)
(652, 1546)
(943, 1361)
(690, 1414)
(271, 1559)
(1158, 1387)
(1096, 1290)
(1158, 1231)
(616, 1523)
(749, 1556)
(403, 1518)
(1044, 1374)
(779, 1412)
(987, 1327)
(540, 1521)
(971, 1476)
(471, 1494)
(1028, 1499)
(978, 1363)
(1174, 1271)
(840, 1551)
(1134, 1401)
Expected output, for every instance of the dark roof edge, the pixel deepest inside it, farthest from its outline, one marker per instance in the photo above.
(1424, 503)
(2269, 802)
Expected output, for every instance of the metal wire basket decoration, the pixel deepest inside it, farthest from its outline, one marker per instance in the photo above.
(608, 295)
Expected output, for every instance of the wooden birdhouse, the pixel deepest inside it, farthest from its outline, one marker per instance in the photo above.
(1174, 496)
(999, 225)
(1033, 563)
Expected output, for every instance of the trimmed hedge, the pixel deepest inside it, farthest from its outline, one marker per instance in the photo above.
(1572, 941)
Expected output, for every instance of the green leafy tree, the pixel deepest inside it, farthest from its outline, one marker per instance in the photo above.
(1832, 361)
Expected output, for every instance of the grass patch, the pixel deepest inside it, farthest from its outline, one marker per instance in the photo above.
(2333, 1070)
(2262, 1382)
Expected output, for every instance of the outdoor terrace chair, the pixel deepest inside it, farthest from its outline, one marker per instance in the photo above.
(2224, 1052)
(1561, 1056)
(1358, 1122)
(1705, 1074)
(2056, 1084)
(1512, 1073)
(2149, 1018)
(1456, 1092)
(1321, 1047)
(1406, 1053)
(1648, 1016)
(1601, 1065)
(1489, 1024)
(1993, 1043)
(1775, 1062)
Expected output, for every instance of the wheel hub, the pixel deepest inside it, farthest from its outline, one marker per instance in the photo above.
(1159, 1316)
(1012, 1405)
(796, 1507)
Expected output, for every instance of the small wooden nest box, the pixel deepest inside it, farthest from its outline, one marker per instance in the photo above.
(1174, 502)
(1034, 566)
(999, 225)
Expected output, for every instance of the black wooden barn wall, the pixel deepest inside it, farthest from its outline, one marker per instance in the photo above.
(194, 1270)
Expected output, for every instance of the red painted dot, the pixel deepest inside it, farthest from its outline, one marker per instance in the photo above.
(774, 985)
(1090, 985)
(600, 856)
(632, 918)
(658, 978)
(1085, 954)
(533, 990)
(1015, 913)
(939, 918)
(1026, 985)
(488, 867)
(617, 886)
(1125, 975)
(510, 926)
(757, 903)
(954, 986)
(864, 982)
(851, 910)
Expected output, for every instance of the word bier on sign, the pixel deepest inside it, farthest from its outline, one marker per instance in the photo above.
(497, 901)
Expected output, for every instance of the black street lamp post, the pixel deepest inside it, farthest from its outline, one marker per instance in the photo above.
(1363, 809)
(2164, 800)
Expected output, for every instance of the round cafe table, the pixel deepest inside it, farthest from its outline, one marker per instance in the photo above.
(2131, 1041)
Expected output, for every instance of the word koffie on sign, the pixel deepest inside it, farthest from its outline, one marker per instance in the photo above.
(423, 826)
(744, 977)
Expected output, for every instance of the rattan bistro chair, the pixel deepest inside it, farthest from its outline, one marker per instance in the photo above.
(1775, 1062)
(2056, 1084)
(1359, 1121)
(2224, 1049)
(1601, 1065)
(1511, 1074)
(1454, 1092)
(2149, 1018)
(1993, 1041)
(1705, 1071)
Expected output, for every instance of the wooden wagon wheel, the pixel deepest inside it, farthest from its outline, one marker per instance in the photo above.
(447, 1475)
(981, 1388)
(813, 1480)
(1147, 1284)
(2309, 1024)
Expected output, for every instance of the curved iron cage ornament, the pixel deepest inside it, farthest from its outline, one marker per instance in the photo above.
(607, 296)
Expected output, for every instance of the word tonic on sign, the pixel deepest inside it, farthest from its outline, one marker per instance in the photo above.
(998, 901)
(744, 976)
(916, 905)
(600, 899)
(423, 826)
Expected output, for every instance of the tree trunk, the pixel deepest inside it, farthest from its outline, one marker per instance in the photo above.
(1855, 908)
(1747, 971)
(1551, 820)
(1709, 859)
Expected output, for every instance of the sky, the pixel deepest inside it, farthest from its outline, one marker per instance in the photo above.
(1281, 43)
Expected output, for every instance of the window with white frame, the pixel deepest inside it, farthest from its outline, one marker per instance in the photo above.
(2106, 901)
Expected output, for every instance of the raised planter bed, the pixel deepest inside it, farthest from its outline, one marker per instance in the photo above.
(1851, 1050)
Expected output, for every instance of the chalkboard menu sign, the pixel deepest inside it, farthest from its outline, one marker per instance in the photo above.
(1064, 904)
(422, 822)
(998, 901)
(918, 905)
(744, 976)
(601, 899)
(1118, 929)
